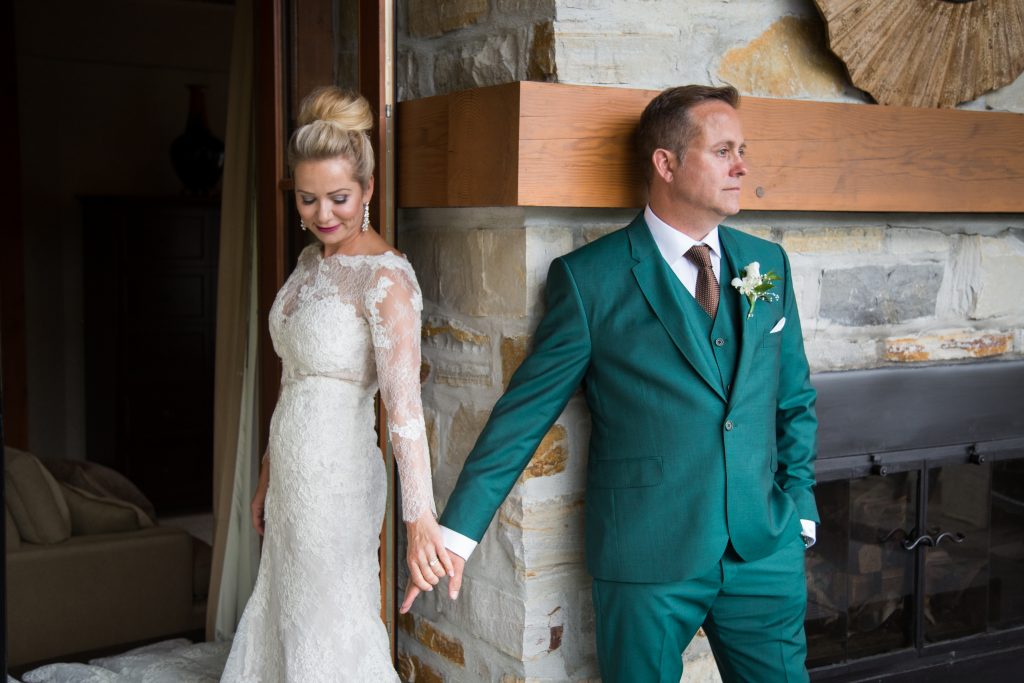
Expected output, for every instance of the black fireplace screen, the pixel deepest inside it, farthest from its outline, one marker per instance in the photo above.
(921, 545)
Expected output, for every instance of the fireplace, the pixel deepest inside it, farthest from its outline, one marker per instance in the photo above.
(918, 571)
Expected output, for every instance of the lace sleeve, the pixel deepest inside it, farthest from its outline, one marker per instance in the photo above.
(393, 305)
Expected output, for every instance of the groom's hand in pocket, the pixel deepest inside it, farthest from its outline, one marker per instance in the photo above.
(412, 591)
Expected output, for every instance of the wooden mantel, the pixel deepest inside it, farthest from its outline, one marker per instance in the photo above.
(545, 144)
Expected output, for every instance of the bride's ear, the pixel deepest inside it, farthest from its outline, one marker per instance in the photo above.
(368, 194)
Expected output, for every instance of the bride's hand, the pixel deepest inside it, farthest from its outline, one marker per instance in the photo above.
(427, 557)
(257, 507)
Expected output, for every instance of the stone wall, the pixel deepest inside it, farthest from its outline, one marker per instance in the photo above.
(873, 290)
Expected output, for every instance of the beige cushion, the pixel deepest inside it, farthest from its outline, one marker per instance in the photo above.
(92, 514)
(11, 531)
(35, 500)
(99, 480)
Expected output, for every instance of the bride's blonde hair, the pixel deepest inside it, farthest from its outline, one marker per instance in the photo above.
(334, 123)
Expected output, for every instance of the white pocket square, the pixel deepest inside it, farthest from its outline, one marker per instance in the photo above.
(778, 326)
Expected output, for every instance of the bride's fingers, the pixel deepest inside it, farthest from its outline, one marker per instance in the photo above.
(416, 576)
(446, 562)
(411, 593)
(429, 575)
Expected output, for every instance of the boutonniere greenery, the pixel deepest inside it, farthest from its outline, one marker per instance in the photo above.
(756, 286)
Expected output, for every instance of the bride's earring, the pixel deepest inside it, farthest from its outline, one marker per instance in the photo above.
(302, 224)
(366, 217)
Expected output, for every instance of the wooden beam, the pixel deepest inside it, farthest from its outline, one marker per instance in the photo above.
(545, 144)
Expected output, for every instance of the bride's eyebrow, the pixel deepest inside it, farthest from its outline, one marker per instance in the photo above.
(344, 189)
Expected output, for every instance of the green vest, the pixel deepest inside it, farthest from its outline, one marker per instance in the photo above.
(722, 335)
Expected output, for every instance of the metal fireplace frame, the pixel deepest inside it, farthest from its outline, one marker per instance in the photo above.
(884, 421)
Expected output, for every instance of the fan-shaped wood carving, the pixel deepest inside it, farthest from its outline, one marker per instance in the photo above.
(927, 53)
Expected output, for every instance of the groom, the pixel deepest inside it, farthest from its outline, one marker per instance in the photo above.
(699, 498)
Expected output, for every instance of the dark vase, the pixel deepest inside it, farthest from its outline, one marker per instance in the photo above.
(197, 155)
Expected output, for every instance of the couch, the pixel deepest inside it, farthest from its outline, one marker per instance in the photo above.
(89, 570)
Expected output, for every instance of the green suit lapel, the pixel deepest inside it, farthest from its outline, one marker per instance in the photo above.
(655, 279)
(750, 332)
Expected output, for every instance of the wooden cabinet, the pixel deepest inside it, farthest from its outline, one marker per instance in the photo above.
(150, 292)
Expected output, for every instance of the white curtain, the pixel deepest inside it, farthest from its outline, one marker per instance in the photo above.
(235, 544)
(242, 549)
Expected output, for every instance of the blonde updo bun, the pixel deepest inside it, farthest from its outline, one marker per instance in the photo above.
(334, 123)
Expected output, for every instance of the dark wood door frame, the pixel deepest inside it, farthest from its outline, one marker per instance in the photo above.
(270, 196)
(376, 83)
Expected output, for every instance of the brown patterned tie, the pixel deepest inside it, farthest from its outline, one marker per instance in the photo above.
(707, 284)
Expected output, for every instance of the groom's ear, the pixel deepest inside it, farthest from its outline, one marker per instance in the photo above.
(664, 162)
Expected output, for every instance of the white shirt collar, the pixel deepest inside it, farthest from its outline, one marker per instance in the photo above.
(672, 243)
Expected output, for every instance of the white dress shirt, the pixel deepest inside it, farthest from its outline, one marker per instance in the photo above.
(673, 246)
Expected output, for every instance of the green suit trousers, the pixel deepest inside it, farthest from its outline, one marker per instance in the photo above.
(752, 612)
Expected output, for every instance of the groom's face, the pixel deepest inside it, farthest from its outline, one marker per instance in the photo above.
(706, 182)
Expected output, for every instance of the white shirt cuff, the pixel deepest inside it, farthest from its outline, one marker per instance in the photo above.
(808, 529)
(463, 546)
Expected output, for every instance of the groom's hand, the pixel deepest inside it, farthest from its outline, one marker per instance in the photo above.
(412, 591)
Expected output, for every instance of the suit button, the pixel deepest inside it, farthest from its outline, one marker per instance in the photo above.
(728, 425)
(719, 342)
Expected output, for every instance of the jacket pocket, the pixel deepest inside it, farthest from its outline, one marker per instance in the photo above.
(627, 473)
(772, 340)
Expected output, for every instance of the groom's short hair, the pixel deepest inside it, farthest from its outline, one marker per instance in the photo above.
(666, 122)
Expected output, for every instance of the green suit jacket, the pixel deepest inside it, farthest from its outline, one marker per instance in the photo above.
(679, 466)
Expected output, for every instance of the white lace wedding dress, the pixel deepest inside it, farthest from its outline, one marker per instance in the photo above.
(342, 325)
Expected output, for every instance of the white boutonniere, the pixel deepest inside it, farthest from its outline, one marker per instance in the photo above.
(755, 286)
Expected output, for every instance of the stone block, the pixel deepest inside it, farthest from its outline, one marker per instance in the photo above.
(430, 18)
(499, 57)
(413, 72)
(430, 420)
(904, 241)
(542, 535)
(790, 59)
(493, 615)
(550, 456)
(765, 232)
(447, 646)
(834, 240)
(950, 345)
(466, 427)
(595, 233)
(475, 272)
(536, 8)
(540, 65)
(543, 245)
(701, 669)
(999, 278)
(513, 352)
(458, 354)
(879, 295)
(827, 353)
(411, 668)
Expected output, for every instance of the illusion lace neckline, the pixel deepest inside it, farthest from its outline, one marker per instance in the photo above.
(357, 258)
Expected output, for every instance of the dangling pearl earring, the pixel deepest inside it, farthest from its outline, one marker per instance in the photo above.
(302, 224)
(366, 217)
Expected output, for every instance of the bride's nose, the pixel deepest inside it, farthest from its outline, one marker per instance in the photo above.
(324, 213)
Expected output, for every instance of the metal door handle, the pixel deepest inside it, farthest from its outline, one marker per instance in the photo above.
(950, 536)
(910, 545)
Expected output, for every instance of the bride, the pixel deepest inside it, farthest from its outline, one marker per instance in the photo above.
(346, 322)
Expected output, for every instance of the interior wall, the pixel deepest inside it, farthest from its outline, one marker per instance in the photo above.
(101, 96)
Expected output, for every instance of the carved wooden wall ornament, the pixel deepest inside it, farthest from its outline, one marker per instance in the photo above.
(927, 53)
